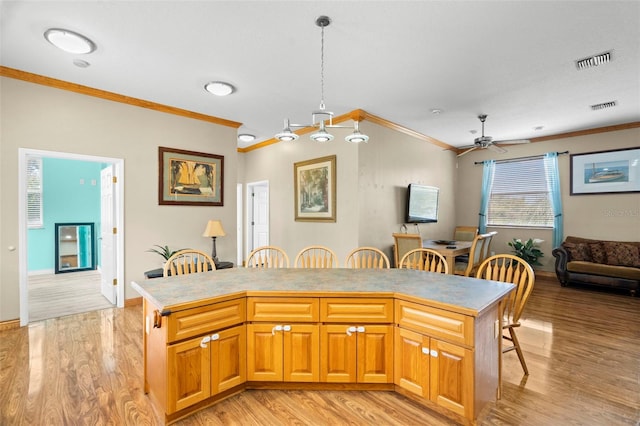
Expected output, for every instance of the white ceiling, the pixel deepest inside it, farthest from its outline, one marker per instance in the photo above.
(399, 60)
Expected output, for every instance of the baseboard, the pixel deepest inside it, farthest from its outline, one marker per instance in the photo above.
(134, 301)
(9, 325)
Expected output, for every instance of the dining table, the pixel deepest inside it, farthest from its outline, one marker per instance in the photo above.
(449, 249)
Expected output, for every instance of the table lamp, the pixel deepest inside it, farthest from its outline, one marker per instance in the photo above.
(213, 230)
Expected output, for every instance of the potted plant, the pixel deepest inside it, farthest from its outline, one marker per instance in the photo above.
(164, 251)
(529, 251)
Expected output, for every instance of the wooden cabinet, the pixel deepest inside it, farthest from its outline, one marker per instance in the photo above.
(286, 346)
(194, 354)
(205, 366)
(356, 340)
(434, 356)
(435, 370)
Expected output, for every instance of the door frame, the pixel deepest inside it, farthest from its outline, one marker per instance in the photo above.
(23, 272)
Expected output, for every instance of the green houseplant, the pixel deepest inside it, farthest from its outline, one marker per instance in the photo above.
(164, 251)
(529, 251)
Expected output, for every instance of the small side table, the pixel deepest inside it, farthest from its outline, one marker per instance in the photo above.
(158, 273)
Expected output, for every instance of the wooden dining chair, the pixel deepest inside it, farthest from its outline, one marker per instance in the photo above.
(511, 269)
(403, 243)
(188, 262)
(465, 233)
(367, 258)
(424, 259)
(477, 254)
(316, 257)
(268, 257)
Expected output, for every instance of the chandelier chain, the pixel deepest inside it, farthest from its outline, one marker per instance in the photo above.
(322, 67)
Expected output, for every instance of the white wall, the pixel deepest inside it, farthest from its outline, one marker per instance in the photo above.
(44, 118)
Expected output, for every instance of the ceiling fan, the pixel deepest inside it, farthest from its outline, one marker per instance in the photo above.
(484, 142)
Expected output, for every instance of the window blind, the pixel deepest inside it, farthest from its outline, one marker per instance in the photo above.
(520, 195)
(34, 192)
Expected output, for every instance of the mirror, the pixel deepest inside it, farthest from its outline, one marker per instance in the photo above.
(75, 244)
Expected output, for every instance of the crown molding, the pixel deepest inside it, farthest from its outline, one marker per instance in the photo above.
(110, 96)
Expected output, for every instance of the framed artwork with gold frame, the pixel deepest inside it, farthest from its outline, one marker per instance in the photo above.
(315, 190)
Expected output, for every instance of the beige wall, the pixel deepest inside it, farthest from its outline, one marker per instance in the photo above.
(372, 182)
(606, 216)
(43, 118)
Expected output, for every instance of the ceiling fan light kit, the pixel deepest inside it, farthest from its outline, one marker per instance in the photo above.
(321, 118)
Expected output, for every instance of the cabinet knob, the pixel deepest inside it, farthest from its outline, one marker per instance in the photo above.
(361, 329)
(286, 328)
(276, 328)
(434, 353)
(204, 341)
(425, 351)
(350, 330)
(215, 337)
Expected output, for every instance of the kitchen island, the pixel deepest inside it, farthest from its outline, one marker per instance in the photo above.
(432, 337)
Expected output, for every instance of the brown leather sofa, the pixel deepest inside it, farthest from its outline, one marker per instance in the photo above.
(602, 263)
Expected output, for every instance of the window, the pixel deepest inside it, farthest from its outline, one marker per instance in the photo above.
(520, 195)
(34, 192)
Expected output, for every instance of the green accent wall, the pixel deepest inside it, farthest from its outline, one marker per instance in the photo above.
(71, 193)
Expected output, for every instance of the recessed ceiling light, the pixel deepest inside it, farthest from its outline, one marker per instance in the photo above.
(538, 128)
(436, 111)
(219, 88)
(245, 137)
(69, 41)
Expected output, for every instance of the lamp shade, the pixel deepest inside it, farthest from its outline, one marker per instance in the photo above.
(214, 229)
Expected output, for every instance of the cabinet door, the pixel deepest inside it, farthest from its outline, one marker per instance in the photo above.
(411, 361)
(301, 353)
(188, 374)
(338, 359)
(228, 359)
(452, 377)
(264, 353)
(375, 354)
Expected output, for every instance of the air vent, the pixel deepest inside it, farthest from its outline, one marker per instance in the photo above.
(593, 61)
(604, 105)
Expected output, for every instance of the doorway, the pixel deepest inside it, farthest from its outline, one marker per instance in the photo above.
(257, 215)
(114, 274)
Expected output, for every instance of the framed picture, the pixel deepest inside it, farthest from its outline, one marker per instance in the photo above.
(315, 190)
(605, 172)
(188, 178)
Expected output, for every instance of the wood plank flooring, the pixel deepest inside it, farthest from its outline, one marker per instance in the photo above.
(582, 347)
(55, 295)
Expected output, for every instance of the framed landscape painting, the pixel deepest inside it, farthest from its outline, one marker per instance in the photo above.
(189, 178)
(605, 172)
(315, 190)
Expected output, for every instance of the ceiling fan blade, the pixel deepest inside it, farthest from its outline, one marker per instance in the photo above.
(467, 151)
(512, 142)
(496, 148)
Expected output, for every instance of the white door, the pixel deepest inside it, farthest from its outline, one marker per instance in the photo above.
(260, 215)
(107, 237)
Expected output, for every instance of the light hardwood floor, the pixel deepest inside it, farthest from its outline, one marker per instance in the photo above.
(55, 295)
(582, 348)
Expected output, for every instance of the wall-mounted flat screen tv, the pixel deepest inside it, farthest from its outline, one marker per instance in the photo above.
(422, 203)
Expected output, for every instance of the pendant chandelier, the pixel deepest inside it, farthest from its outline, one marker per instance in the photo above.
(321, 118)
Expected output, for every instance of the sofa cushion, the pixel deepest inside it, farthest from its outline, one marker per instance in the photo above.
(622, 254)
(578, 251)
(606, 270)
(598, 253)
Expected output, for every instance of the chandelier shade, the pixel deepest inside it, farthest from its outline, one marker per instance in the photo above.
(321, 118)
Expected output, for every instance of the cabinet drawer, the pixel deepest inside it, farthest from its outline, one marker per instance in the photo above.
(450, 326)
(352, 310)
(282, 309)
(205, 319)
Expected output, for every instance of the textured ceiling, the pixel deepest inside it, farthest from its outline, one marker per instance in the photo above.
(398, 60)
